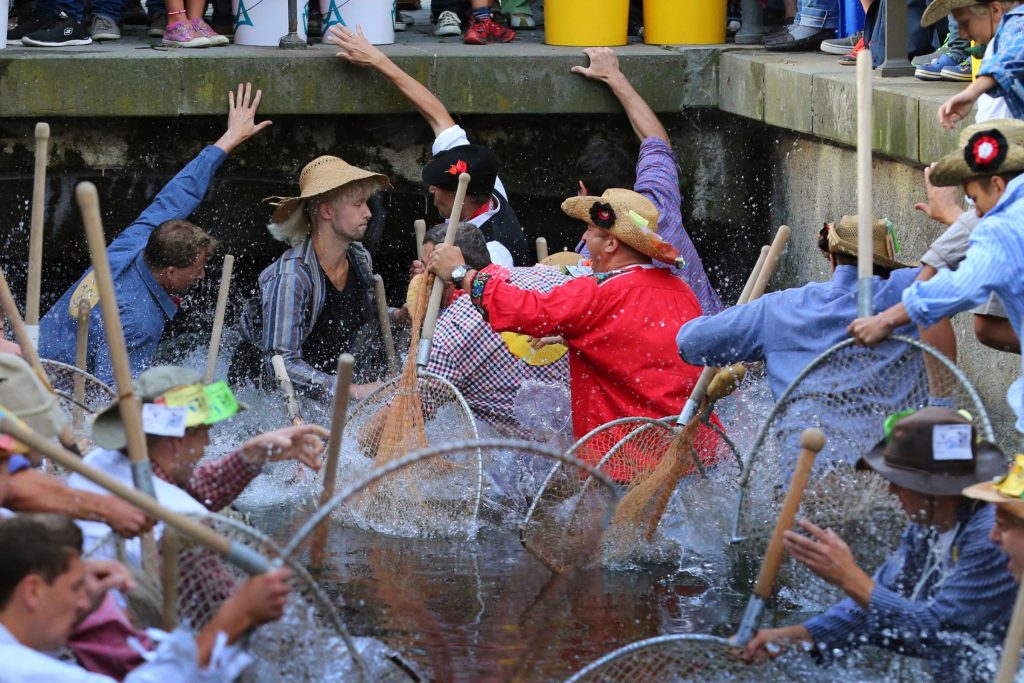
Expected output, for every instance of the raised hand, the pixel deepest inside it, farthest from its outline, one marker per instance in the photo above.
(827, 555)
(241, 117)
(303, 443)
(956, 109)
(944, 204)
(604, 64)
(355, 48)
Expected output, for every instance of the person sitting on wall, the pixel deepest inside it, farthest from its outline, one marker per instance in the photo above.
(618, 323)
(486, 206)
(154, 262)
(317, 301)
(945, 595)
(790, 328)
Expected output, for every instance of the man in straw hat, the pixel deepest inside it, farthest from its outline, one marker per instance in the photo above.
(486, 206)
(618, 323)
(154, 262)
(790, 328)
(317, 301)
(989, 166)
(945, 594)
(1007, 494)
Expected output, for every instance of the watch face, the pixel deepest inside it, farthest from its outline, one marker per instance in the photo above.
(458, 272)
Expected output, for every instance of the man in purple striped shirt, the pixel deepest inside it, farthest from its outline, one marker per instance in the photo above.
(657, 174)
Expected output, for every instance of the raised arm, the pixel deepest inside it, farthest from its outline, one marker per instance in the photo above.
(356, 49)
(604, 67)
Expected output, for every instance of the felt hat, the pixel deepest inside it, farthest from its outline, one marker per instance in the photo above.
(939, 9)
(629, 216)
(842, 239)
(24, 395)
(986, 149)
(478, 161)
(934, 451)
(323, 174)
(156, 385)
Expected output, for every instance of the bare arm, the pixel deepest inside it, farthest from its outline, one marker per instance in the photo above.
(260, 599)
(356, 49)
(996, 332)
(604, 67)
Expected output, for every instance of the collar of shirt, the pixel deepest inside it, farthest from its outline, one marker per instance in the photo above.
(159, 293)
(6, 637)
(484, 213)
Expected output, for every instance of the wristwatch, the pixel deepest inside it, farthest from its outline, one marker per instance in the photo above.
(458, 274)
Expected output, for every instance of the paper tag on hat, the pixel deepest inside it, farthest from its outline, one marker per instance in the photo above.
(162, 420)
(220, 400)
(951, 442)
(192, 398)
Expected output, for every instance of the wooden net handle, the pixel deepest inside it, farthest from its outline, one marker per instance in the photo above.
(811, 441)
(381, 298)
(1014, 641)
(865, 209)
(420, 229)
(218, 318)
(35, 240)
(21, 335)
(292, 403)
(754, 274)
(542, 249)
(770, 262)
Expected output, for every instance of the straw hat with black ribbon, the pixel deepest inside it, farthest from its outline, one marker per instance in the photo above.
(935, 451)
(986, 149)
(1006, 491)
(324, 174)
(940, 9)
(842, 239)
(630, 217)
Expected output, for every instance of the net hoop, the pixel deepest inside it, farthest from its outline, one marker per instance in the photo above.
(592, 671)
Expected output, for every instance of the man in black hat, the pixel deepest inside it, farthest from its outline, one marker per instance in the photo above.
(946, 590)
(486, 204)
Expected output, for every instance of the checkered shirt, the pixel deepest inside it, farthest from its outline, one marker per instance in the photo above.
(217, 483)
(473, 357)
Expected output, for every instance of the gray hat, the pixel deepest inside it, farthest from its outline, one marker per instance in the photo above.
(23, 393)
(935, 451)
(108, 430)
(938, 10)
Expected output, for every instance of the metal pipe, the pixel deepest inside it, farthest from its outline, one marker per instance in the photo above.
(896, 32)
(292, 41)
(752, 16)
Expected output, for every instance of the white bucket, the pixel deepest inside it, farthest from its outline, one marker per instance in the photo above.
(376, 17)
(265, 22)
(4, 8)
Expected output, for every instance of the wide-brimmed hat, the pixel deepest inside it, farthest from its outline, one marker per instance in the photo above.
(842, 239)
(986, 149)
(478, 161)
(938, 10)
(629, 216)
(177, 400)
(934, 451)
(323, 174)
(25, 395)
(1006, 491)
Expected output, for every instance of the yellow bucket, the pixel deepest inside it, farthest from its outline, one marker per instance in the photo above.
(686, 22)
(586, 23)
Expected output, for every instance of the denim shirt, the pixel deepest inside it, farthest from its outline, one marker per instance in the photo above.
(1006, 62)
(938, 616)
(144, 305)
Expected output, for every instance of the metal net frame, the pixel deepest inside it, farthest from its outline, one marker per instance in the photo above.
(409, 504)
(80, 395)
(847, 391)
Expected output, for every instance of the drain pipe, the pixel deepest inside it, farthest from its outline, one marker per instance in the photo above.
(292, 41)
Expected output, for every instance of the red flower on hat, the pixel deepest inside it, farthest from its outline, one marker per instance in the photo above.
(986, 151)
(602, 215)
(458, 167)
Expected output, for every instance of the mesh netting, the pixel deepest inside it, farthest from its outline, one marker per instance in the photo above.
(847, 392)
(81, 396)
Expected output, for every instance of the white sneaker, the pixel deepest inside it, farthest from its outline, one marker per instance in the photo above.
(448, 25)
(400, 23)
(522, 21)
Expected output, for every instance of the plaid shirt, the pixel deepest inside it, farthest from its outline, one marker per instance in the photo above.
(473, 357)
(217, 483)
(1006, 63)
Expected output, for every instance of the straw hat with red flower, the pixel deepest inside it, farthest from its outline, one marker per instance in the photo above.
(627, 215)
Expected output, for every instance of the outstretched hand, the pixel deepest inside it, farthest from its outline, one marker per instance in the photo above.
(303, 443)
(355, 48)
(604, 64)
(943, 203)
(828, 556)
(956, 108)
(241, 117)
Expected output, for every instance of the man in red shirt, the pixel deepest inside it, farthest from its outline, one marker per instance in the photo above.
(618, 323)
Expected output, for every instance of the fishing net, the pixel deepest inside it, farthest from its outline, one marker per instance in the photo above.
(847, 392)
(81, 396)
(310, 641)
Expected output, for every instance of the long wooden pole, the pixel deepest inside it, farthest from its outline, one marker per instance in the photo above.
(542, 249)
(218, 318)
(1014, 641)
(420, 229)
(339, 413)
(434, 304)
(291, 401)
(21, 333)
(170, 544)
(385, 324)
(865, 208)
(81, 359)
(35, 241)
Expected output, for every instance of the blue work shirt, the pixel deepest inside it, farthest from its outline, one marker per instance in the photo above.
(933, 598)
(144, 305)
(1006, 62)
(788, 330)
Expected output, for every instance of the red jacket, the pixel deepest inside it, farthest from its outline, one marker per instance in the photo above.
(620, 328)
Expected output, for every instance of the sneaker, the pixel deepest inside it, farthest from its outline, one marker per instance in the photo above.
(448, 25)
(932, 71)
(959, 72)
(204, 29)
(181, 34)
(494, 33)
(522, 21)
(842, 46)
(850, 58)
(31, 24)
(133, 14)
(103, 27)
(157, 25)
(400, 23)
(63, 32)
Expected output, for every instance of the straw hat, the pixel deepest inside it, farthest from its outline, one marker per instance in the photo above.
(25, 395)
(1004, 491)
(629, 216)
(323, 174)
(940, 8)
(842, 239)
(986, 149)
(934, 451)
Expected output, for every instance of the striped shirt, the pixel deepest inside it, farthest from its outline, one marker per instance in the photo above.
(994, 263)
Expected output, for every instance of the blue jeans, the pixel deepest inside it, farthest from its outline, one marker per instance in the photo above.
(818, 13)
(76, 8)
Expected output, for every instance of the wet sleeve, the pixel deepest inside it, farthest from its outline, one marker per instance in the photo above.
(735, 334)
(564, 311)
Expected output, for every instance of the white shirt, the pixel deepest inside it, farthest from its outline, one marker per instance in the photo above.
(991, 108)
